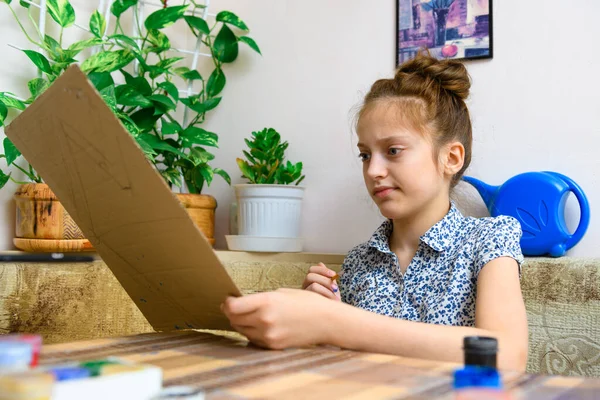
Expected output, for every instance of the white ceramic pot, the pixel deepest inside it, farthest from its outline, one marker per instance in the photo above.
(269, 210)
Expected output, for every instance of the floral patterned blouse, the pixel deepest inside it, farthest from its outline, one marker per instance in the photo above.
(440, 283)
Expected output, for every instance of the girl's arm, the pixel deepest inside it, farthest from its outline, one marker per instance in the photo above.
(500, 313)
(292, 318)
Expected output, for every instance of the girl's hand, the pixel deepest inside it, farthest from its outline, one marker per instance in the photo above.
(321, 280)
(281, 319)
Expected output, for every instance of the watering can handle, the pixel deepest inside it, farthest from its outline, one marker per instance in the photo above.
(584, 219)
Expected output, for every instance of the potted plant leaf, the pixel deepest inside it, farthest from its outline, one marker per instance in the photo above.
(269, 207)
(148, 98)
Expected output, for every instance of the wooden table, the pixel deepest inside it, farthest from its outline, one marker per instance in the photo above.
(227, 367)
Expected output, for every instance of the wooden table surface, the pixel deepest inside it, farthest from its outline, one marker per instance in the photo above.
(227, 367)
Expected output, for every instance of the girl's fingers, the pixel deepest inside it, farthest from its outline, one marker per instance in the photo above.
(244, 305)
(322, 290)
(320, 279)
(251, 333)
(336, 291)
(321, 269)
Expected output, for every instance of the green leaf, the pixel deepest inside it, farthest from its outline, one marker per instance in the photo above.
(107, 61)
(108, 94)
(139, 83)
(158, 144)
(125, 39)
(101, 79)
(168, 62)
(194, 135)
(225, 46)
(161, 99)
(216, 82)
(145, 119)
(186, 73)
(3, 113)
(62, 12)
(10, 151)
(200, 156)
(98, 24)
(127, 95)
(11, 102)
(200, 108)
(170, 128)
(247, 171)
(37, 86)
(84, 44)
(230, 18)
(164, 17)
(172, 176)
(159, 41)
(223, 174)
(53, 48)
(39, 60)
(22, 3)
(3, 177)
(197, 23)
(146, 148)
(206, 172)
(171, 89)
(120, 6)
(250, 42)
(197, 180)
(129, 124)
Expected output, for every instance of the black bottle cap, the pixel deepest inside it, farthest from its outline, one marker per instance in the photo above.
(480, 351)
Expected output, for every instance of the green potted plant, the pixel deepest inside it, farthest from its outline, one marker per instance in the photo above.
(148, 99)
(269, 207)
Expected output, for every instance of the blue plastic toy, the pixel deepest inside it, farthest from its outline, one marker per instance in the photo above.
(537, 200)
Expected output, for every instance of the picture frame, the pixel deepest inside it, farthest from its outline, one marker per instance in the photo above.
(449, 29)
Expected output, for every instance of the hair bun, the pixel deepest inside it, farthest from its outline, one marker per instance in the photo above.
(452, 76)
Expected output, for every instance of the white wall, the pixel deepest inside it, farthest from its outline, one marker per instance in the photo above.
(533, 105)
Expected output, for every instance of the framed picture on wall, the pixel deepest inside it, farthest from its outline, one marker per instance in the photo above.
(454, 29)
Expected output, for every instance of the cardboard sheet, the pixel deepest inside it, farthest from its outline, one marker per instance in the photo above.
(123, 206)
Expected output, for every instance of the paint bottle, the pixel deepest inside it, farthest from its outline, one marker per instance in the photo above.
(15, 356)
(479, 379)
(34, 340)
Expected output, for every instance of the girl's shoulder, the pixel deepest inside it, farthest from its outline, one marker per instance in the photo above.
(495, 237)
(500, 226)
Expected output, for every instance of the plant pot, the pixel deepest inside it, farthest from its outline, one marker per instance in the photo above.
(201, 208)
(272, 211)
(42, 223)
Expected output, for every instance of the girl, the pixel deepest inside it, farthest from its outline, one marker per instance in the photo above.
(428, 276)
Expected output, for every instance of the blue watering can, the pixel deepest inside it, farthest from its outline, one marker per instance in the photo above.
(537, 200)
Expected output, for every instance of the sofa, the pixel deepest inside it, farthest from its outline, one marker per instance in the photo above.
(74, 301)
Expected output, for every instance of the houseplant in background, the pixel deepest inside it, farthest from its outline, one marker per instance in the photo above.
(149, 99)
(269, 207)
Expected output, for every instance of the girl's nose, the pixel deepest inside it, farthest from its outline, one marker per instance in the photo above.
(376, 168)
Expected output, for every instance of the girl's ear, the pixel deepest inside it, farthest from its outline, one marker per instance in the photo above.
(453, 158)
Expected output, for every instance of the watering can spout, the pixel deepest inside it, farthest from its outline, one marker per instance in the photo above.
(487, 192)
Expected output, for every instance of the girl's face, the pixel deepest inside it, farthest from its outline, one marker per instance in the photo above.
(399, 168)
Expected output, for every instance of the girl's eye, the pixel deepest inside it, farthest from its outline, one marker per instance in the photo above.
(394, 151)
(364, 157)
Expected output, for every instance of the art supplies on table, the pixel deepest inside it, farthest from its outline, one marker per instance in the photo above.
(92, 380)
(106, 378)
(479, 379)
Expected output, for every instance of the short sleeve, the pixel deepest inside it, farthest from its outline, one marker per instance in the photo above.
(500, 237)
